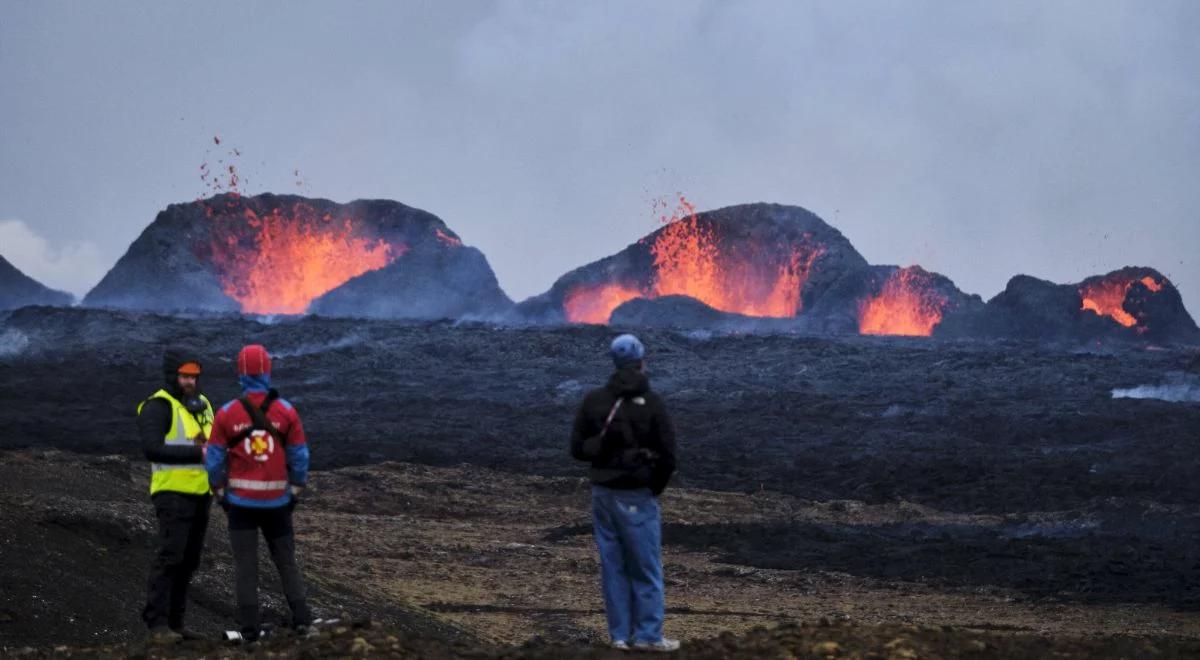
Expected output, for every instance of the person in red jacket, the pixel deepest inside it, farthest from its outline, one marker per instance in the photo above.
(257, 463)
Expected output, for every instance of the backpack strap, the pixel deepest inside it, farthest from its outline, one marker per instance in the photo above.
(593, 444)
(631, 441)
(611, 413)
(259, 415)
(627, 432)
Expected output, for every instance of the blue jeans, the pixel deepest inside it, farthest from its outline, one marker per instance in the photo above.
(628, 531)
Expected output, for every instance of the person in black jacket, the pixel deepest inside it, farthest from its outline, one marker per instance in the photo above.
(624, 431)
(173, 425)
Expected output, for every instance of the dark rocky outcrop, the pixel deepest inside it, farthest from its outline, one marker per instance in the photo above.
(1034, 309)
(394, 260)
(19, 290)
(161, 270)
(444, 282)
(685, 312)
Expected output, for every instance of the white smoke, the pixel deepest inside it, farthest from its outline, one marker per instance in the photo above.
(1179, 388)
(13, 342)
(73, 266)
(352, 339)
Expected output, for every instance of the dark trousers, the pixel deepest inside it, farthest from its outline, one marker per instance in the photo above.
(182, 521)
(276, 526)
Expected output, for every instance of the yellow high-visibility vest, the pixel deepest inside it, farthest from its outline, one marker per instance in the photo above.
(190, 478)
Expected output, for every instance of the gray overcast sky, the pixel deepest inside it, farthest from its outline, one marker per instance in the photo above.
(979, 139)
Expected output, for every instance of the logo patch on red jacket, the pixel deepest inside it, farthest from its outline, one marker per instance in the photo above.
(260, 445)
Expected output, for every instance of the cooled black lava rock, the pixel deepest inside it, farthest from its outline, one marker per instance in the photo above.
(450, 281)
(191, 259)
(19, 290)
(675, 311)
(1130, 304)
(161, 270)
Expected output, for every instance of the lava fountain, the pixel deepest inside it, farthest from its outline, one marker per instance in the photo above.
(748, 279)
(692, 256)
(276, 261)
(1106, 297)
(908, 304)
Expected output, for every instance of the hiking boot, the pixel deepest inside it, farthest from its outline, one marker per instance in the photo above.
(663, 645)
(164, 635)
(619, 645)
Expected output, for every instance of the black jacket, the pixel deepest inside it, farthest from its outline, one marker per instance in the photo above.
(638, 450)
(154, 420)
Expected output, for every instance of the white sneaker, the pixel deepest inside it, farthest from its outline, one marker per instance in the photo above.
(663, 645)
(620, 645)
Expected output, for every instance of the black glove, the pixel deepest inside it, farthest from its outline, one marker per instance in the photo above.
(593, 446)
(639, 456)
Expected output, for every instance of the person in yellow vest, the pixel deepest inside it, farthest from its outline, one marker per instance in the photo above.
(173, 425)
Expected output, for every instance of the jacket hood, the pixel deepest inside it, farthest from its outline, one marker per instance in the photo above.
(173, 358)
(628, 382)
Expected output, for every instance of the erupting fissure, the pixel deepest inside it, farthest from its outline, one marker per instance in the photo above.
(908, 304)
(1107, 297)
(753, 281)
(278, 261)
(692, 259)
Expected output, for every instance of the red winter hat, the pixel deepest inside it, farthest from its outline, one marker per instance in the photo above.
(253, 360)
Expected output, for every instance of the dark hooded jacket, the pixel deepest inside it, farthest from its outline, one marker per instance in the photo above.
(155, 419)
(638, 449)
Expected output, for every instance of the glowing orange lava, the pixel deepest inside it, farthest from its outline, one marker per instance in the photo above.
(690, 259)
(1107, 297)
(907, 305)
(753, 280)
(595, 303)
(279, 261)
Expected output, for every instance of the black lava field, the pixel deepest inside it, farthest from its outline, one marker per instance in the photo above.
(1093, 496)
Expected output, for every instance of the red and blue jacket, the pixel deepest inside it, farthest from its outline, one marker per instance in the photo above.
(249, 464)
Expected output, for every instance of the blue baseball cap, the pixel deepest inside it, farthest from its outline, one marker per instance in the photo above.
(627, 351)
